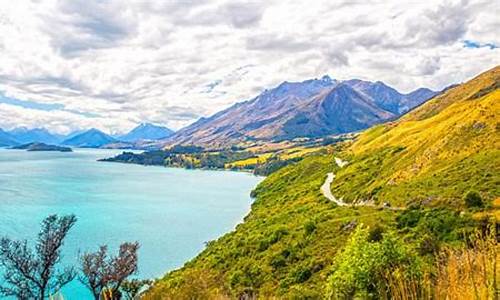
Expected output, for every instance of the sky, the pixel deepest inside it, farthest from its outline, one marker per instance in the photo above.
(77, 64)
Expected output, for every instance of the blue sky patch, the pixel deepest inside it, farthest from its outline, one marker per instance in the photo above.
(474, 44)
(43, 106)
(30, 104)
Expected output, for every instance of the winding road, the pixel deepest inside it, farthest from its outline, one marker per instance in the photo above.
(327, 192)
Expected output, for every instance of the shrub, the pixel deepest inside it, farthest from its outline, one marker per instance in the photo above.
(376, 234)
(301, 274)
(473, 199)
(309, 227)
(359, 270)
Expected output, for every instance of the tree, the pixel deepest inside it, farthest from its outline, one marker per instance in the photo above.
(359, 270)
(103, 273)
(473, 199)
(31, 273)
(94, 267)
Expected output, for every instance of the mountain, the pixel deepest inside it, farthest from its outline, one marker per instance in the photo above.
(289, 244)
(24, 135)
(91, 138)
(390, 99)
(311, 108)
(146, 131)
(6, 139)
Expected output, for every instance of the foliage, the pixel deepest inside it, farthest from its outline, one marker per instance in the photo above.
(131, 289)
(443, 224)
(359, 269)
(190, 158)
(31, 273)
(102, 273)
(272, 165)
(473, 199)
(465, 272)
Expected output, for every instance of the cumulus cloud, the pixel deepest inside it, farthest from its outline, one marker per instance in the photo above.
(70, 65)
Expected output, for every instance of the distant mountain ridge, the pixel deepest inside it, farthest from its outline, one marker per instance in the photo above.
(310, 108)
(24, 135)
(6, 139)
(92, 138)
(146, 131)
(144, 135)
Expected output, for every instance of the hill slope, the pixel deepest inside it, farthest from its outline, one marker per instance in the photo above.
(310, 108)
(452, 140)
(286, 246)
(91, 138)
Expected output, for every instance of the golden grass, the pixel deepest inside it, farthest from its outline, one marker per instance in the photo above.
(466, 273)
(249, 161)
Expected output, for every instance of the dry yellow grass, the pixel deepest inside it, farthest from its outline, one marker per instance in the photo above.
(465, 273)
(249, 161)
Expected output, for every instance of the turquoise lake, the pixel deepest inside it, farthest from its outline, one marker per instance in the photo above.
(170, 212)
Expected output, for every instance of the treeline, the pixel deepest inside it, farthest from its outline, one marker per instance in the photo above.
(33, 273)
(193, 157)
(189, 160)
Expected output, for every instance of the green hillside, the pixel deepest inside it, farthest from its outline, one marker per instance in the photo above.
(434, 154)
(289, 245)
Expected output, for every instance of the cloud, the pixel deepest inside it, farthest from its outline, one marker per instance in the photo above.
(271, 42)
(112, 64)
(243, 14)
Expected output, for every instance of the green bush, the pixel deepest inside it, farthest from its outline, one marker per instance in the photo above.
(473, 199)
(376, 234)
(359, 270)
(301, 274)
(309, 227)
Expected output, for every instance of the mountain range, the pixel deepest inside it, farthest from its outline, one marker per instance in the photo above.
(6, 139)
(310, 108)
(24, 135)
(89, 138)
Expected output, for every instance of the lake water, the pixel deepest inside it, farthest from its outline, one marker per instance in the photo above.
(170, 212)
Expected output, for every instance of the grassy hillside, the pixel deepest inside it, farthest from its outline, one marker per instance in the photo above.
(434, 154)
(283, 248)
(295, 244)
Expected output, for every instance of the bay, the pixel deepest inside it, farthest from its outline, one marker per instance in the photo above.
(170, 212)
